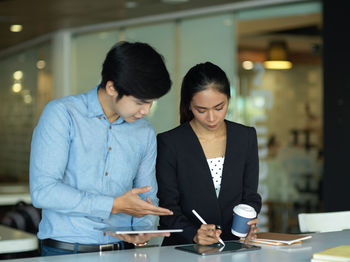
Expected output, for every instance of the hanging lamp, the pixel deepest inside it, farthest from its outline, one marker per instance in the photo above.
(277, 56)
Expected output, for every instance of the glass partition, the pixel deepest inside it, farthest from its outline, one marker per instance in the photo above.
(88, 53)
(161, 37)
(285, 106)
(25, 87)
(214, 41)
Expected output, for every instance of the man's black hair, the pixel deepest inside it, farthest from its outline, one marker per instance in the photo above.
(135, 69)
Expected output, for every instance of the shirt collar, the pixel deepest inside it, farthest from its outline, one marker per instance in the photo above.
(94, 106)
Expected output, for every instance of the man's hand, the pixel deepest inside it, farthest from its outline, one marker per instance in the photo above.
(207, 235)
(130, 203)
(138, 239)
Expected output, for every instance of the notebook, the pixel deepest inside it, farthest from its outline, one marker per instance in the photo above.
(278, 239)
(339, 253)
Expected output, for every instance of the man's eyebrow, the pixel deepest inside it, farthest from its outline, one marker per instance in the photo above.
(145, 101)
(202, 107)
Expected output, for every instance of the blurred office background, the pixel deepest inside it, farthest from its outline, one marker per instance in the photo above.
(62, 45)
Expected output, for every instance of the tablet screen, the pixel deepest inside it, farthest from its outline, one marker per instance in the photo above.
(217, 248)
(137, 230)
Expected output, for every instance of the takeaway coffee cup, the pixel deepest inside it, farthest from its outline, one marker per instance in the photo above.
(242, 214)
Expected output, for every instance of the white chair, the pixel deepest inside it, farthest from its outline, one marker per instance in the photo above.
(324, 222)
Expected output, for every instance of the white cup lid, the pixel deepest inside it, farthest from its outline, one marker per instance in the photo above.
(244, 210)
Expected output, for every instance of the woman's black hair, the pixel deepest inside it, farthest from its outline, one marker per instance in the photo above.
(197, 79)
(135, 69)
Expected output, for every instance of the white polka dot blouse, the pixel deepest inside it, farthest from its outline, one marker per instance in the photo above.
(216, 165)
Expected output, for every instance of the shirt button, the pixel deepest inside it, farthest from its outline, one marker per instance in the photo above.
(106, 174)
(110, 127)
(109, 148)
(99, 117)
(102, 219)
(104, 233)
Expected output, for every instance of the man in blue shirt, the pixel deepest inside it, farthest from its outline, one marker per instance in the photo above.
(92, 161)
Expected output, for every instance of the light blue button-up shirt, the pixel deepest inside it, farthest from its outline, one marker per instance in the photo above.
(79, 163)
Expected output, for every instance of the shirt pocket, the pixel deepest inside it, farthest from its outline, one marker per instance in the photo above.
(123, 172)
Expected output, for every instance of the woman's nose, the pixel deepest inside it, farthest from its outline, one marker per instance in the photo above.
(210, 117)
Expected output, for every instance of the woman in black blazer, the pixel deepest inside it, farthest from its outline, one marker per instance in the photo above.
(207, 163)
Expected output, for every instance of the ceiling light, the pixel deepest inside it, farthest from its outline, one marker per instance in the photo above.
(278, 64)
(27, 99)
(18, 75)
(277, 56)
(40, 64)
(16, 87)
(16, 28)
(248, 65)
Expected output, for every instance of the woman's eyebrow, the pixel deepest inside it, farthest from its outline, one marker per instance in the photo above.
(202, 107)
(220, 104)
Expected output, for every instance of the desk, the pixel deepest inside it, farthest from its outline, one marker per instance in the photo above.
(14, 241)
(11, 194)
(302, 252)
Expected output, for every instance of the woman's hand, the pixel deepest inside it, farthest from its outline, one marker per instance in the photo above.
(207, 235)
(252, 231)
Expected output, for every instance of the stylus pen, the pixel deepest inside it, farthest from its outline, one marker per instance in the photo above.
(203, 222)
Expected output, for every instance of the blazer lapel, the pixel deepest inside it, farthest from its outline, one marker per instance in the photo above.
(204, 177)
(229, 166)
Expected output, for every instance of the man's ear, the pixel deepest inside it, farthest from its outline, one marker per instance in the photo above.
(110, 90)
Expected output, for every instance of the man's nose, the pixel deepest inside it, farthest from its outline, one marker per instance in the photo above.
(146, 108)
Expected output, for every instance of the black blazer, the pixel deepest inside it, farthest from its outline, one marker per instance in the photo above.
(185, 181)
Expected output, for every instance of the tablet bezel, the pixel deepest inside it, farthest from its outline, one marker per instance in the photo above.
(137, 230)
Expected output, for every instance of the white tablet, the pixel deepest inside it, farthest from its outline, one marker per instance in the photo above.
(137, 230)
